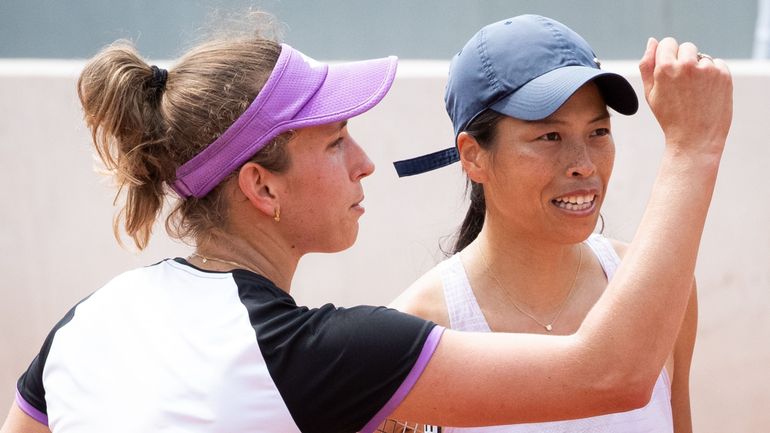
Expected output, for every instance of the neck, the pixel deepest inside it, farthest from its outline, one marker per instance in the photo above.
(534, 272)
(259, 253)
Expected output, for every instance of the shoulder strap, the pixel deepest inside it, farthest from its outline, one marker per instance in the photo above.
(463, 309)
(602, 248)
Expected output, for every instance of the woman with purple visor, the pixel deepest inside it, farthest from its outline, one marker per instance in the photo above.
(248, 139)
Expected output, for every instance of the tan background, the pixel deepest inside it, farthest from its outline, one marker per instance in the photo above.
(57, 245)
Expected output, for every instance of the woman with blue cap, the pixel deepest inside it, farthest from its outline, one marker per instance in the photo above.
(248, 140)
(528, 102)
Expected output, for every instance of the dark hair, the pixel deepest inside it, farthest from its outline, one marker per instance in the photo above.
(483, 128)
(143, 133)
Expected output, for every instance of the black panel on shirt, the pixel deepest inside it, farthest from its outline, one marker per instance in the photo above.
(30, 384)
(334, 367)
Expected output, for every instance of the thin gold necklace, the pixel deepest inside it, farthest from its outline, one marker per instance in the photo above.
(205, 259)
(548, 326)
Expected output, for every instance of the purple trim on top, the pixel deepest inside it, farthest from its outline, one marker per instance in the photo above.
(31, 410)
(422, 361)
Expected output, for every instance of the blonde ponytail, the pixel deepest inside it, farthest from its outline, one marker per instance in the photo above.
(122, 109)
(143, 131)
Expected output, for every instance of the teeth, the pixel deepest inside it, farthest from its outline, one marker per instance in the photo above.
(576, 199)
(573, 202)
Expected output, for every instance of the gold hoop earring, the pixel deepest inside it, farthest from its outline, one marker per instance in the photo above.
(277, 214)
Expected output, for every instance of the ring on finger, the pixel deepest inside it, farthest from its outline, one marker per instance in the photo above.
(702, 56)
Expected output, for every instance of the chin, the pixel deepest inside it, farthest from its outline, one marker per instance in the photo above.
(576, 234)
(340, 243)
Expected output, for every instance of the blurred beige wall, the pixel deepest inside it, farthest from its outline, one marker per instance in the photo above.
(57, 245)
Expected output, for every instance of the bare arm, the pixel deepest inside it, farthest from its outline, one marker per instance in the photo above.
(19, 422)
(613, 360)
(680, 382)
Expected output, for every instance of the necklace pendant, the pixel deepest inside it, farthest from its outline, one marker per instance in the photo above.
(549, 328)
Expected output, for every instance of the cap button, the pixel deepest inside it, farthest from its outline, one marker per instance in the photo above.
(598, 63)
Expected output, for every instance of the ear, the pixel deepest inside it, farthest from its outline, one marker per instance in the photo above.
(473, 157)
(260, 187)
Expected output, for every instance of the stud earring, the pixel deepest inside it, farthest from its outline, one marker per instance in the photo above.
(277, 214)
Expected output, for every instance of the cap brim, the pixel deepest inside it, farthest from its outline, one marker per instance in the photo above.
(348, 90)
(542, 96)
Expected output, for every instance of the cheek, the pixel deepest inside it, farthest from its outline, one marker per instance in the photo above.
(319, 196)
(520, 173)
(605, 161)
(511, 163)
(313, 175)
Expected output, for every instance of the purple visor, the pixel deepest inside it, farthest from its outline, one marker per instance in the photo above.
(300, 92)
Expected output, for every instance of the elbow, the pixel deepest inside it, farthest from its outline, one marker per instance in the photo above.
(611, 393)
(631, 395)
(624, 389)
(615, 380)
(620, 386)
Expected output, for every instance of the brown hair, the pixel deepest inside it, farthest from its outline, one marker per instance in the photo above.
(143, 132)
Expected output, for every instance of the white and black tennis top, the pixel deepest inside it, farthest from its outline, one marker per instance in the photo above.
(173, 348)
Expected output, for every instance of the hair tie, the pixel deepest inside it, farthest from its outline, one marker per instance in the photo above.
(159, 77)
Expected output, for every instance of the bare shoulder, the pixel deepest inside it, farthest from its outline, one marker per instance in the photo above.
(425, 299)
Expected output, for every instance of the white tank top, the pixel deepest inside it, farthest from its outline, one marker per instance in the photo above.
(465, 314)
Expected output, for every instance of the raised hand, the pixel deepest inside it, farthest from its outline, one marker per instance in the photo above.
(690, 94)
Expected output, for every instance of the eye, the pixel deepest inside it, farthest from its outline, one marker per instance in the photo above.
(601, 132)
(551, 136)
(336, 143)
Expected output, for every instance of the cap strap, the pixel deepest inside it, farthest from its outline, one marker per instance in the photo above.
(425, 163)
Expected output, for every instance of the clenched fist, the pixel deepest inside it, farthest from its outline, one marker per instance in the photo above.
(691, 95)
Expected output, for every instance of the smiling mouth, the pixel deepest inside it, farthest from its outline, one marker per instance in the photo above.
(575, 202)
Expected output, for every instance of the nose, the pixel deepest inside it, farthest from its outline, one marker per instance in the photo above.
(361, 165)
(580, 162)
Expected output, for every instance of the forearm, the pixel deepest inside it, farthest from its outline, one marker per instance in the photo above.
(680, 376)
(634, 326)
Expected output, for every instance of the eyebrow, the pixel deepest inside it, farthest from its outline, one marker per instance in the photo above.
(550, 120)
(342, 125)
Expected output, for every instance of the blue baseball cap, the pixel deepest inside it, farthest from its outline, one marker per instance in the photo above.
(524, 67)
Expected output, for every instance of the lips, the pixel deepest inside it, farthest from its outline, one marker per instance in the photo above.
(575, 202)
(357, 206)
